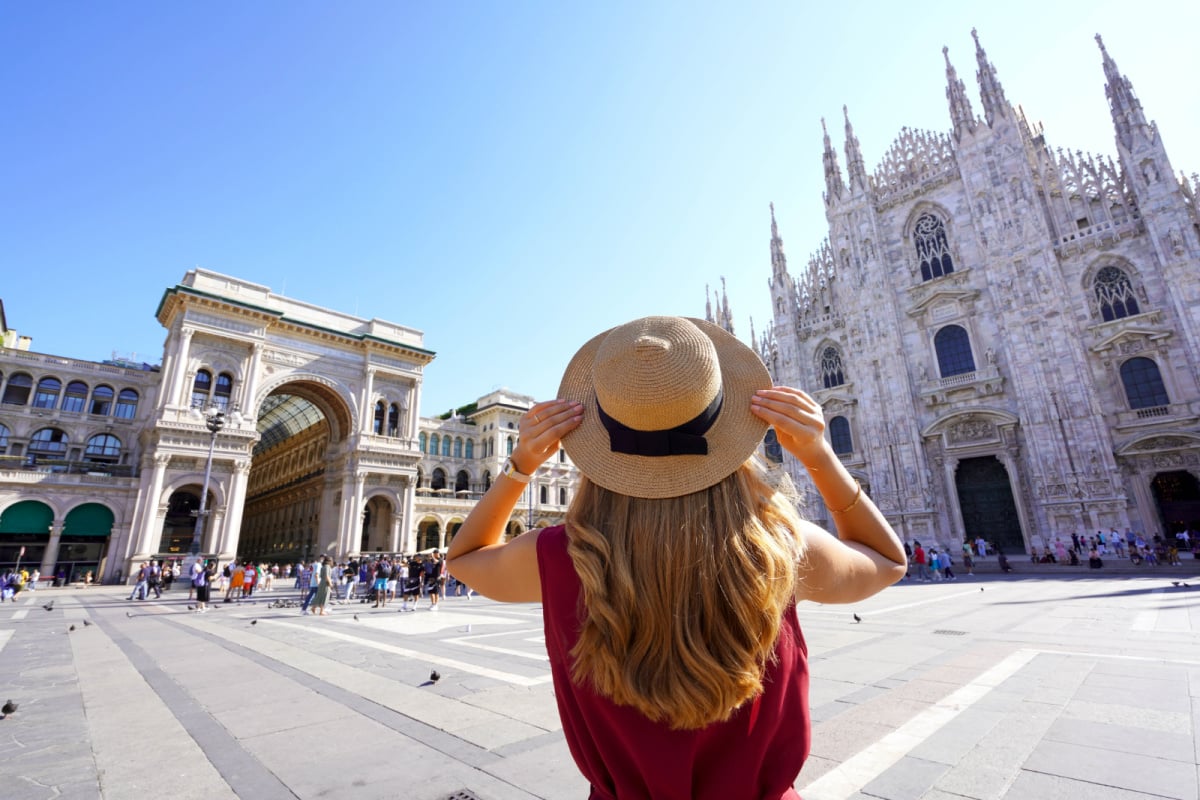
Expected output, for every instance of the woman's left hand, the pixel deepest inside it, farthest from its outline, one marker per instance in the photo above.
(542, 429)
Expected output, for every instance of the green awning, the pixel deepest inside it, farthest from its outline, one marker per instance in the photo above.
(89, 519)
(27, 516)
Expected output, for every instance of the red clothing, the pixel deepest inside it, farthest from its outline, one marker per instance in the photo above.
(918, 555)
(756, 754)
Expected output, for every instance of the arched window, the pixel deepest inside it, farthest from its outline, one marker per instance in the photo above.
(510, 446)
(562, 496)
(127, 402)
(1114, 294)
(103, 447)
(393, 428)
(439, 479)
(953, 351)
(223, 391)
(458, 447)
(562, 456)
(16, 393)
(102, 397)
(771, 446)
(201, 387)
(839, 436)
(932, 249)
(76, 397)
(1143, 384)
(831, 368)
(462, 481)
(3, 440)
(434, 444)
(380, 413)
(423, 442)
(47, 393)
(48, 442)
(544, 495)
(470, 448)
(447, 443)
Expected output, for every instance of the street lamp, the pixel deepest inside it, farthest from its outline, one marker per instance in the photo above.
(214, 419)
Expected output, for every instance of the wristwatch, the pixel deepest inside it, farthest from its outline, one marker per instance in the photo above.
(509, 470)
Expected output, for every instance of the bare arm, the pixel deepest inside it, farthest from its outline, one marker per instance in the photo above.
(478, 556)
(867, 555)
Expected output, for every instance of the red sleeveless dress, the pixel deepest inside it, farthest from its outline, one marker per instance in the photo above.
(755, 755)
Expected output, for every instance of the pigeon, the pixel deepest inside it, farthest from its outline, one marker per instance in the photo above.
(70, 629)
(356, 617)
(49, 606)
(1185, 584)
(1174, 583)
(253, 622)
(86, 623)
(435, 676)
(9, 708)
(857, 618)
(129, 613)
(981, 588)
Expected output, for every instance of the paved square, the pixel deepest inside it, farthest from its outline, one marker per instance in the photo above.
(1022, 688)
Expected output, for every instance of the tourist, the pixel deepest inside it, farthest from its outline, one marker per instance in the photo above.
(669, 597)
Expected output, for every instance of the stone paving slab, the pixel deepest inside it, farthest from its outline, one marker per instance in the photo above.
(1033, 688)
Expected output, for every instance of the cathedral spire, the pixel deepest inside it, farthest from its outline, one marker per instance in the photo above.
(833, 173)
(854, 160)
(961, 113)
(726, 311)
(778, 259)
(1126, 109)
(992, 93)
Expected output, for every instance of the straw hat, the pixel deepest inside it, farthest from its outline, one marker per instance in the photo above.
(666, 406)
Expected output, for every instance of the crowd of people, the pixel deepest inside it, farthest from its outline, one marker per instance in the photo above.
(322, 582)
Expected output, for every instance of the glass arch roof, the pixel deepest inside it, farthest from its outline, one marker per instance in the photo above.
(282, 416)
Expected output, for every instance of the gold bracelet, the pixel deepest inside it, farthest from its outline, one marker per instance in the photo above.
(853, 503)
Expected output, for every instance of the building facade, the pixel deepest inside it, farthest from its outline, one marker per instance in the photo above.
(301, 422)
(1005, 338)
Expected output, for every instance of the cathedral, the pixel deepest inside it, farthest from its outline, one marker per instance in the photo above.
(1005, 337)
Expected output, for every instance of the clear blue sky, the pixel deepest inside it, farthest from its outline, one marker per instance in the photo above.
(510, 178)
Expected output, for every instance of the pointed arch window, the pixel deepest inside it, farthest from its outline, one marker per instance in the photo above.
(46, 395)
(102, 399)
(1143, 382)
(76, 396)
(1114, 294)
(127, 402)
(839, 436)
(103, 447)
(377, 423)
(953, 347)
(933, 251)
(831, 368)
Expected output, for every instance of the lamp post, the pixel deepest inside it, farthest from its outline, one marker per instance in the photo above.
(214, 419)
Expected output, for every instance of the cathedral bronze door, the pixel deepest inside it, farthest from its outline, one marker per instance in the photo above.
(985, 497)
(1178, 497)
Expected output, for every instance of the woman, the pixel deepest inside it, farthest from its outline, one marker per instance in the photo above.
(669, 597)
(324, 587)
(202, 583)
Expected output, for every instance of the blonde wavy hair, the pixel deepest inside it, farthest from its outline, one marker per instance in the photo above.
(684, 596)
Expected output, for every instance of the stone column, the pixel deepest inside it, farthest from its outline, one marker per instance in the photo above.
(409, 525)
(368, 403)
(144, 542)
(50, 557)
(394, 541)
(234, 506)
(179, 375)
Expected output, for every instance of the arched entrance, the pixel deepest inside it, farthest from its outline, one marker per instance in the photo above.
(986, 499)
(287, 489)
(84, 541)
(179, 524)
(428, 533)
(25, 524)
(1178, 497)
(376, 526)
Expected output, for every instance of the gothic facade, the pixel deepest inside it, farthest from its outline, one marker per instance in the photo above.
(318, 447)
(1005, 337)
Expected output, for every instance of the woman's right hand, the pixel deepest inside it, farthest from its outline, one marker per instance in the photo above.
(541, 430)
